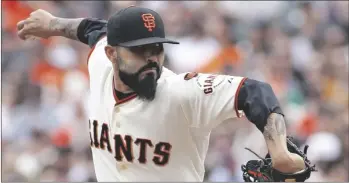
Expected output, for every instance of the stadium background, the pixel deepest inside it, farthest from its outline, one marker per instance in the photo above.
(300, 48)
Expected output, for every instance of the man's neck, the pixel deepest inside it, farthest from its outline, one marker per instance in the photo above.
(121, 92)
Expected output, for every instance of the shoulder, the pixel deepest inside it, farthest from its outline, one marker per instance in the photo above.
(90, 30)
(102, 42)
(166, 73)
(97, 61)
(193, 85)
(97, 50)
(183, 85)
(199, 81)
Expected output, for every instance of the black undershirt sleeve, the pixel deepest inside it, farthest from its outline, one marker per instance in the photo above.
(258, 101)
(90, 30)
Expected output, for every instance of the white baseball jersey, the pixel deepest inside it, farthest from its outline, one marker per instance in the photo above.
(162, 140)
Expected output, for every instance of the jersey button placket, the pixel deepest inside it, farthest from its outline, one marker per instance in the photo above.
(115, 122)
(116, 125)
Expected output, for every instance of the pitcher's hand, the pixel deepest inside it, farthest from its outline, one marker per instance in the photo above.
(37, 25)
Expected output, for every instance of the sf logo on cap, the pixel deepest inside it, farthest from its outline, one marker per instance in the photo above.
(149, 21)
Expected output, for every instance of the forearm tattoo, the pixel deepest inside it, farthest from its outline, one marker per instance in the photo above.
(65, 27)
(275, 127)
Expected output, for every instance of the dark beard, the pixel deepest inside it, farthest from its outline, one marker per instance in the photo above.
(145, 88)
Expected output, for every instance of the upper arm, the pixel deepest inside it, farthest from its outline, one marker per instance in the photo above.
(207, 100)
(91, 30)
(258, 101)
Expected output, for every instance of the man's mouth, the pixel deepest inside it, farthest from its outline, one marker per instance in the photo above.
(147, 71)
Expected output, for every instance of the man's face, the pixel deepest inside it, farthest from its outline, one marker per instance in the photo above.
(140, 68)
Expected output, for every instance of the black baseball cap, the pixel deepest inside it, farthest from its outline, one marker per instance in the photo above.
(136, 26)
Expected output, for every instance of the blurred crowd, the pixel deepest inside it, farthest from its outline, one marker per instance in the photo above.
(299, 47)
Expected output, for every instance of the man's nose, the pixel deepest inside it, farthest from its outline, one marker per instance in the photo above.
(150, 56)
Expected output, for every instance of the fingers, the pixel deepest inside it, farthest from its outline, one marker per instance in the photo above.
(22, 34)
(21, 24)
(25, 33)
(23, 28)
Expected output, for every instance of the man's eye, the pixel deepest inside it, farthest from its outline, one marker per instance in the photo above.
(137, 49)
(159, 48)
(155, 49)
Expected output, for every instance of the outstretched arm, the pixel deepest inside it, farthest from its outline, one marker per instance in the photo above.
(275, 138)
(261, 107)
(65, 27)
(42, 24)
(275, 134)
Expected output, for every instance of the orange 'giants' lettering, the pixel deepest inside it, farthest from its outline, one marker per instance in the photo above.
(126, 148)
(89, 127)
(208, 84)
(143, 149)
(95, 133)
(105, 137)
(162, 153)
(123, 146)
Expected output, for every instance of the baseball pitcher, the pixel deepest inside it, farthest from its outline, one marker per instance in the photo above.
(149, 124)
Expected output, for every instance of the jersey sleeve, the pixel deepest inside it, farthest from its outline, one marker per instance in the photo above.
(208, 100)
(98, 63)
(90, 30)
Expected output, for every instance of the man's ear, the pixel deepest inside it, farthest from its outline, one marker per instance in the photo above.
(110, 52)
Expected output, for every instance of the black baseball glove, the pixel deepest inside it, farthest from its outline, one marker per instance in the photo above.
(262, 170)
